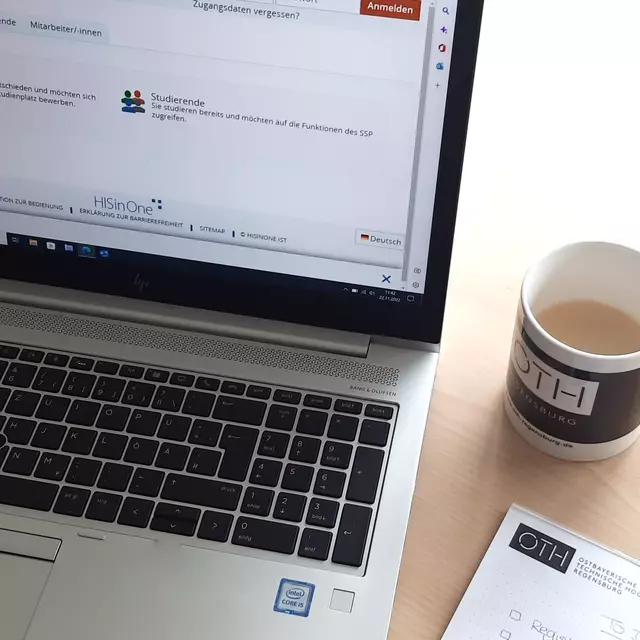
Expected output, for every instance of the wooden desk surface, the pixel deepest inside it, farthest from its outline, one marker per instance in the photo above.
(552, 158)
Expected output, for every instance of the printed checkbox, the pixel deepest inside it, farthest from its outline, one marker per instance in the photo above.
(505, 635)
(515, 615)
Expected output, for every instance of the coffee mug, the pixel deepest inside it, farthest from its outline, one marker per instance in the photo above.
(570, 403)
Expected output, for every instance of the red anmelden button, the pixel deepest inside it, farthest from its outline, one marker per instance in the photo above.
(402, 9)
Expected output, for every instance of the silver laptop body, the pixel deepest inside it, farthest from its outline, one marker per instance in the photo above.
(196, 443)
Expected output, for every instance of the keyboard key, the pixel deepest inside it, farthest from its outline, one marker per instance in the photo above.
(315, 544)
(323, 513)
(113, 417)
(204, 462)
(205, 433)
(351, 537)
(83, 471)
(138, 394)
(52, 466)
(79, 441)
(4, 396)
(257, 502)
(182, 379)
(71, 501)
(207, 493)
(130, 371)
(172, 456)
(238, 444)
(377, 411)
(282, 418)
(365, 475)
(156, 375)
(174, 428)
(21, 461)
(215, 526)
(4, 449)
(348, 406)
(103, 507)
(288, 397)
(265, 472)
(83, 412)
(78, 385)
(110, 446)
(108, 389)
(240, 410)
(297, 478)
(82, 364)
(336, 454)
(374, 432)
(273, 444)
(146, 482)
(207, 384)
(115, 477)
(56, 359)
(343, 427)
(173, 518)
(136, 512)
(234, 388)
(110, 368)
(262, 534)
(31, 355)
(168, 399)
(30, 494)
(19, 431)
(22, 403)
(19, 375)
(141, 451)
(143, 423)
(312, 422)
(198, 403)
(49, 380)
(304, 450)
(290, 506)
(52, 408)
(257, 391)
(330, 483)
(3, 366)
(317, 402)
(48, 436)
(10, 353)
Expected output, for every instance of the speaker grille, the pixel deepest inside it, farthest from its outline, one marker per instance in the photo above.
(203, 346)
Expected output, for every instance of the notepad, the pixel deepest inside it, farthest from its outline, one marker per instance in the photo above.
(539, 581)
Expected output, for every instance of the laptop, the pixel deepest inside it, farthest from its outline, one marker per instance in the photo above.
(225, 237)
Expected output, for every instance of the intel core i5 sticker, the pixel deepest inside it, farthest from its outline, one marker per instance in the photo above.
(294, 598)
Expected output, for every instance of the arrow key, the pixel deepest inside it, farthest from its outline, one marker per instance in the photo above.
(174, 518)
(215, 526)
(136, 512)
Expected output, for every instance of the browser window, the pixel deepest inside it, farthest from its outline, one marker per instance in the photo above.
(295, 136)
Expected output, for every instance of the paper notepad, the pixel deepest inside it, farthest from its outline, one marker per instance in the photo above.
(539, 581)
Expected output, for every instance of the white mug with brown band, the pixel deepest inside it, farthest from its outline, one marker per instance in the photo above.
(577, 395)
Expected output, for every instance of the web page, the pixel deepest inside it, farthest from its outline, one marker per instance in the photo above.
(276, 135)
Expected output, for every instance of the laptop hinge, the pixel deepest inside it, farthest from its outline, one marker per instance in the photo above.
(185, 318)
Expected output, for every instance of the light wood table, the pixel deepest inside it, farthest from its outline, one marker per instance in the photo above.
(552, 158)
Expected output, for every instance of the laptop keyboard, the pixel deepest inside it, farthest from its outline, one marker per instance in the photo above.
(221, 460)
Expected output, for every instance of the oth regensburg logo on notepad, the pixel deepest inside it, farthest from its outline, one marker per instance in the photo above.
(543, 548)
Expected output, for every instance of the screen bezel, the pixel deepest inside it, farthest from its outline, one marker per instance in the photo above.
(188, 283)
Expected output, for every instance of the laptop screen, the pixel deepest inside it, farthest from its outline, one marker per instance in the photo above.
(296, 138)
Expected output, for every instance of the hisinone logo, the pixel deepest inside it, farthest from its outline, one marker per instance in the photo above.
(107, 203)
(543, 548)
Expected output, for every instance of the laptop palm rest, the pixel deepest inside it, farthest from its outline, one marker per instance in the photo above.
(25, 564)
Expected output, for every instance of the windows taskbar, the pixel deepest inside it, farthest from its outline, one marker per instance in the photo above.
(77, 250)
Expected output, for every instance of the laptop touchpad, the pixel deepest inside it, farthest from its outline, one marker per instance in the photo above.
(25, 564)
